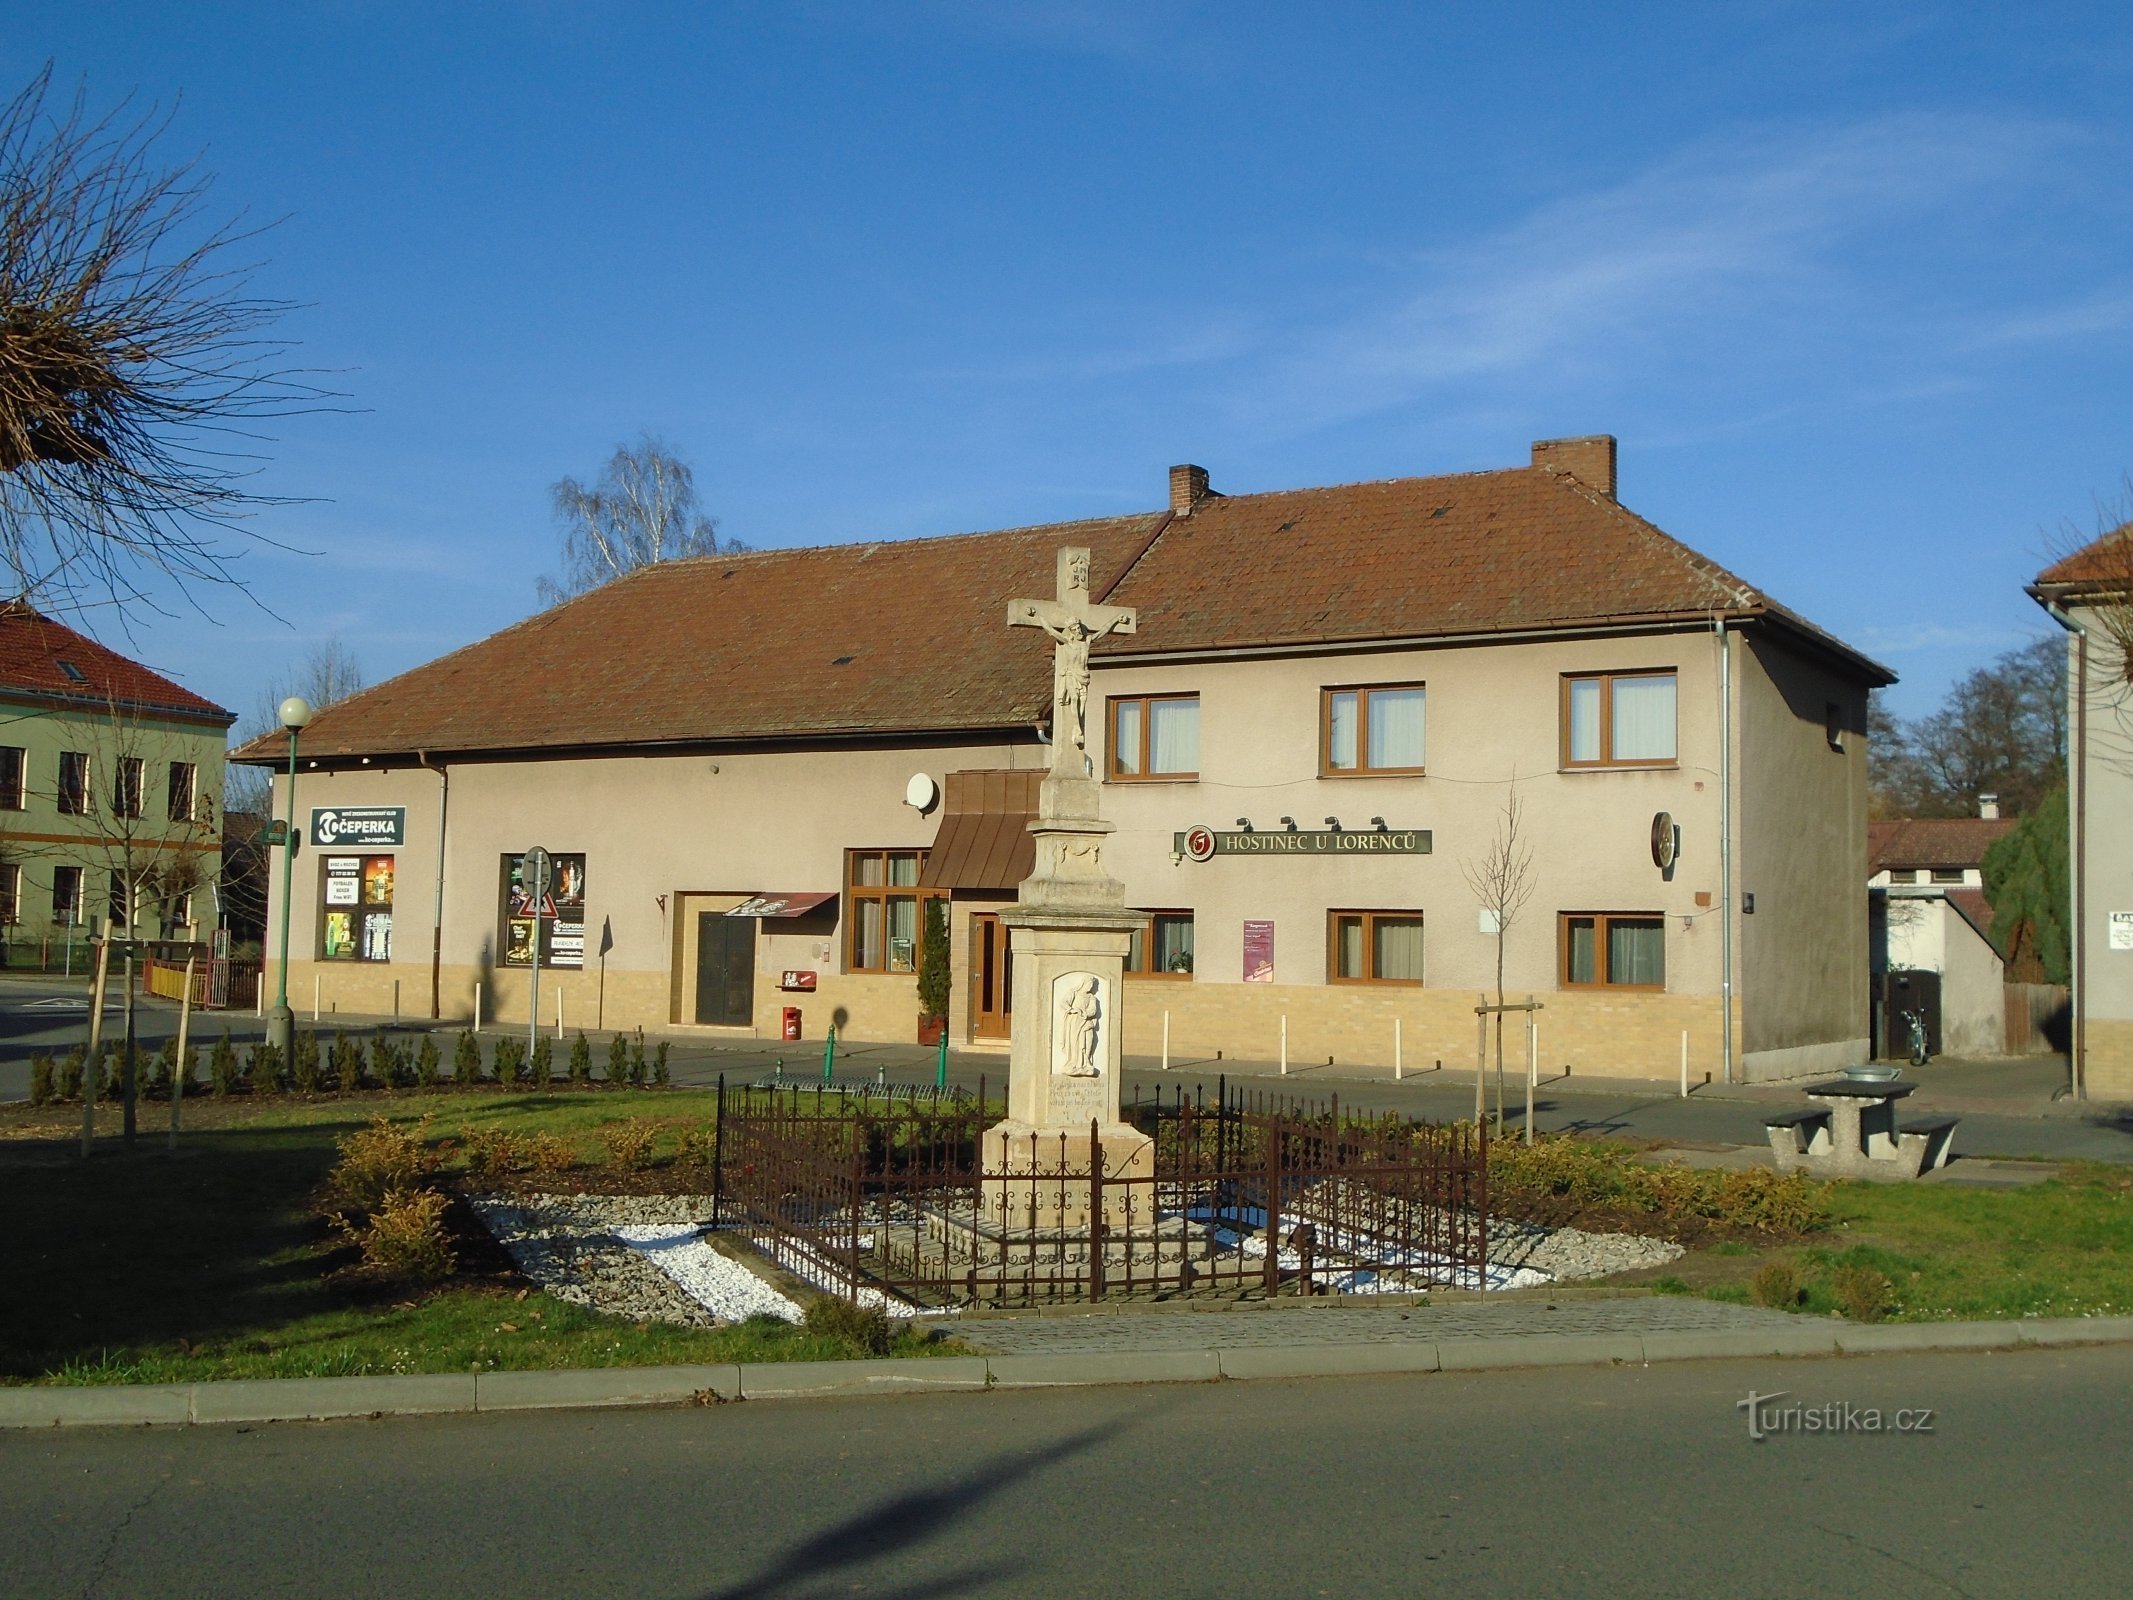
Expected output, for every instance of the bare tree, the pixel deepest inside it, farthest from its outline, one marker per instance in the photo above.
(1502, 881)
(330, 673)
(132, 354)
(2002, 730)
(643, 510)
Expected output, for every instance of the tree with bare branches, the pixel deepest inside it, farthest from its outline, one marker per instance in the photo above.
(134, 360)
(643, 510)
(330, 672)
(1502, 881)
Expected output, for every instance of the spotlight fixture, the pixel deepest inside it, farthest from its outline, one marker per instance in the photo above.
(1289, 823)
(1334, 823)
(1245, 823)
(1378, 823)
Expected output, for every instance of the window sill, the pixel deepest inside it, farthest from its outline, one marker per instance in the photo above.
(1611, 988)
(1155, 777)
(1374, 772)
(1621, 766)
(1380, 983)
(1160, 977)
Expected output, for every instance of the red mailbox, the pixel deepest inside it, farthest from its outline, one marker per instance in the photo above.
(792, 1022)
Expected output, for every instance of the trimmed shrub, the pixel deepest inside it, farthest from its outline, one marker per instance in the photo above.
(1863, 1294)
(466, 1059)
(428, 1061)
(406, 1237)
(660, 1073)
(161, 1067)
(190, 1068)
(491, 1153)
(347, 1063)
(378, 1159)
(385, 1067)
(637, 1067)
(222, 1071)
(543, 1061)
(107, 1079)
(303, 1063)
(548, 1154)
(699, 1147)
(265, 1072)
(43, 1085)
(629, 1142)
(618, 1059)
(1775, 1285)
(862, 1330)
(70, 1072)
(510, 1060)
(581, 1060)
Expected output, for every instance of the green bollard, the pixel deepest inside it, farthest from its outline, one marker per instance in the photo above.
(940, 1071)
(829, 1054)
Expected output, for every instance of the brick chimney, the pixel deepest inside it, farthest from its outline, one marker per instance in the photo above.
(1590, 460)
(1988, 807)
(1188, 487)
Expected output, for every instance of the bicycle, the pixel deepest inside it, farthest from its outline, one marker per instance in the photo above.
(1915, 1031)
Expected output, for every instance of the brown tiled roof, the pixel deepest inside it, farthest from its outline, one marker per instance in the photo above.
(2107, 561)
(911, 637)
(1972, 906)
(1944, 842)
(36, 654)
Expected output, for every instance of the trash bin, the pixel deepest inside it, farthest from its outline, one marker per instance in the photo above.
(792, 1022)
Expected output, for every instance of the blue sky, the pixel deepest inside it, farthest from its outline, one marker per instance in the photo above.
(1852, 284)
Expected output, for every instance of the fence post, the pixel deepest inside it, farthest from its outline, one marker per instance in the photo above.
(1273, 1207)
(1166, 1040)
(1096, 1212)
(1395, 1049)
(718, 1153)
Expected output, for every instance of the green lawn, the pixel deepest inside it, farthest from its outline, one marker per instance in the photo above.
(142, 1267)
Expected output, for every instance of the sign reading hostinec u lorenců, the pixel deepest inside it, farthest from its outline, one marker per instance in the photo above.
(1204, 844)
(346, 825)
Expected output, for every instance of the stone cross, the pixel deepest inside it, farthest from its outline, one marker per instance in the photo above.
(1074, 625)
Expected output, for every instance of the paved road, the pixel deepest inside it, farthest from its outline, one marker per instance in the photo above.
(1633, 1481)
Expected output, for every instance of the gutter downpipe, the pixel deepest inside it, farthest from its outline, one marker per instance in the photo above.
(444, 795)
(1725, 844)
(2080, 807)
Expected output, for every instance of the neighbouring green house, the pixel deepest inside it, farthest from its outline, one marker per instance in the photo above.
(110, 792)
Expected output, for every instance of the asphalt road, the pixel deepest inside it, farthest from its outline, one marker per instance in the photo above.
(1564, 1482)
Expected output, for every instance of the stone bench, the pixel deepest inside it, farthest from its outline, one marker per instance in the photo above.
(1797, 1137)
(1926, 1140)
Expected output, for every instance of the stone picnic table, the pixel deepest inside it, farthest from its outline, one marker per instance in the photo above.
(1849, 1130)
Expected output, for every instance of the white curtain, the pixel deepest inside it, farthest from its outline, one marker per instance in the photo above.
(1173, 736)
(1644, 719)
(1348, 947)
(1396, 728)
(1580, 953)
(1340, 731)
(1399, 948)
(1126, 737)
(1584, 719)
(1636, 952)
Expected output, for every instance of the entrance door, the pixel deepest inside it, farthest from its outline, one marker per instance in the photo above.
(991, 981)
(725, 970)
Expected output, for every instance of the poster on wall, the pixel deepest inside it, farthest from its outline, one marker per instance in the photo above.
(1259, 952)
(2122, 930)
(356, 908)
(339, 941)
(558, 922)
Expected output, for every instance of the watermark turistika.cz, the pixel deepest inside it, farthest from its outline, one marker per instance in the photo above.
(1766, 1416)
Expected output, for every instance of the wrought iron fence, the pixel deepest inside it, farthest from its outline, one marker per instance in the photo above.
(1247, 1194)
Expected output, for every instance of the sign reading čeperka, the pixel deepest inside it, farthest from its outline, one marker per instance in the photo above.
(359, 825)
(1204, 844)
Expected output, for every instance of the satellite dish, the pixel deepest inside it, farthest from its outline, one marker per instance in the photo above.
(921, 792)
(1665, 843)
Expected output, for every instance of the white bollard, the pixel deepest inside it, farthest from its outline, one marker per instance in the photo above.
(559, 1013)
(314, 998)
(1166, 1041)
(477, 1005)
(1395, 1049)
(1284, 1044)
(1684, 1063)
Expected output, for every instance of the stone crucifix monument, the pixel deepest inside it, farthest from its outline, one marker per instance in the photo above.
(1069, 930)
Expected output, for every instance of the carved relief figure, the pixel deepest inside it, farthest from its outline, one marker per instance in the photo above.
(1079, 1027)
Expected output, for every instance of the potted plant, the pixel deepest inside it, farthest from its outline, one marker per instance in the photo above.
(933, 973)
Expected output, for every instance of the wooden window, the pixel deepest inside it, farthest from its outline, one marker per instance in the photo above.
(126, 787)
(66, 895)
(1371, 728)
(10, 891)
(1161, 947)
(184, 790)
(1613, 950)
(1618, 719)
(119, 900)
(1903, 874)
(884, 909)
(74, 783)
(11, 767)
(1374, 947)
(1947, 874)
(1155, 737)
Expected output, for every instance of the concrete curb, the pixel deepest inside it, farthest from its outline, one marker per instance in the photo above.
(316, 1399)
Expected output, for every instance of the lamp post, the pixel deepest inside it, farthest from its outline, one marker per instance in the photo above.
(295, 712)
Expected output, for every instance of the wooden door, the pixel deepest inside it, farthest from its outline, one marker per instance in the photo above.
(991, 980)
(725, 970)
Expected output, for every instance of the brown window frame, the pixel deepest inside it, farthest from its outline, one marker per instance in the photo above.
(68, 907)
(1145, 702)
(185, 782)
(1362, 767)
(129, 779)
(10, 891)
(1601, 920)
(855, 892)
(1903, 874)
(73, 799)
(1947, 876)
(1607, 681)
(357, 913)
(14, 777)
(1148, 921)
(1334, 918)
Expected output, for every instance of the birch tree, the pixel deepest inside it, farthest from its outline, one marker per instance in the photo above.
(643, 510)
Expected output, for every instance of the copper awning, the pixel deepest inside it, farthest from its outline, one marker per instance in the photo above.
(984, 840)
(780, 905)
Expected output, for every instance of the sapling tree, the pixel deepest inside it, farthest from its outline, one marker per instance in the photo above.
(1502, 881)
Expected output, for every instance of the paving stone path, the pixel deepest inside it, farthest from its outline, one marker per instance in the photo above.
(1318, 1325)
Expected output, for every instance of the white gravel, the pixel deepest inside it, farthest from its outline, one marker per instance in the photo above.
(714, 1280)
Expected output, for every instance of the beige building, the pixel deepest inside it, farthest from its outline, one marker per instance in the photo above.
(110, 791)
(1928, 919)
(754, 772)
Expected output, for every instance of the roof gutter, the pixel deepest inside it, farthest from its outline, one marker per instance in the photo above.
(2078, 1073)
(444, 796)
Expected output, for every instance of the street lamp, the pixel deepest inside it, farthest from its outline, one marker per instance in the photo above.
(295, 712)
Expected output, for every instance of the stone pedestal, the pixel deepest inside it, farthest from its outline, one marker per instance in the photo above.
(1069, 931)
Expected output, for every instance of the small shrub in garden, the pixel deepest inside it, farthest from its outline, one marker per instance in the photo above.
(547, 1154)
(863, 1330)
(107, 1079)
(377, 1159)
(70, 1072)
(347, 1063)
(629, 1142)
(265, 1074)
(699, 1147)
(1863, 1294)
(189, 1068)
(581, 1060)
(1775, 1285)
(543, 1061)
(406, 1237)
(661, 1075)
(638, 1071)
(303, 1063)
(385, 1065)
(427, 1062)
(618, 1059)
(466, 1059)
(222, 1072)
(162, 1066)
(492, 1153)
(43, 1081)
(510, 1060)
